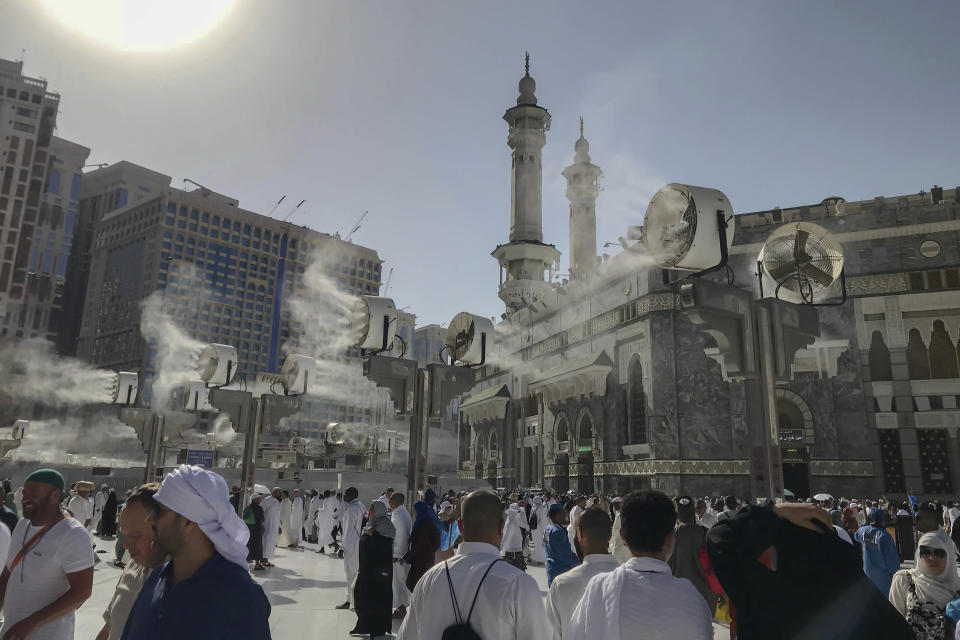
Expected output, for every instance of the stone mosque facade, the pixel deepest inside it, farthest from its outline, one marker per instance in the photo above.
(603, 384)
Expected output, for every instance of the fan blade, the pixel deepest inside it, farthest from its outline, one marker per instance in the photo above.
(817, 274)
(778, 273)
(800, 245)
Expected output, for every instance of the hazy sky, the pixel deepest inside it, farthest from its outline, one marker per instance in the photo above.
(395, 107)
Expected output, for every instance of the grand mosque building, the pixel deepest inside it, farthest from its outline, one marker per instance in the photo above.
(604, 383)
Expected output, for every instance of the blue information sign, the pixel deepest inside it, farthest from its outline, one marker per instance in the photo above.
(200, 457)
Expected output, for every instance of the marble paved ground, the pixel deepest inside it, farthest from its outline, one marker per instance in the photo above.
(303, 589)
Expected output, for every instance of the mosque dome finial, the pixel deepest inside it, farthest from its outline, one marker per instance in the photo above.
(527, 86)
(581, 147)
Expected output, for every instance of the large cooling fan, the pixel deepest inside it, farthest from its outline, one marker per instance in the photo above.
(465, 337)
(680, 227)
(374, 326)
(802, 258)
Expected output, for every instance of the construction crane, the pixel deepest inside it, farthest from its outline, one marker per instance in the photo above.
(293, 211)
(204, 190)
(355, 227)
(386, 289)
(282, 198)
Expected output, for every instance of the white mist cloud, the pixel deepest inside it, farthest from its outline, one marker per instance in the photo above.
(322, 315)
(177, 353)
(30, 370)
(101, 436)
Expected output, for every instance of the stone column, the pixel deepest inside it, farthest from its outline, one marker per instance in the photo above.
(953, 451)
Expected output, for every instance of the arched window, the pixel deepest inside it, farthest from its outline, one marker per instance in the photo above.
(880, 367)
(918, 364)
(561, 429)
(943, 355)
(493, 443)
(637, 405)
(585, 429)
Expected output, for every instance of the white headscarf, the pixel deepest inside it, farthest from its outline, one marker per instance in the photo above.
(936, 588)
(201, 496)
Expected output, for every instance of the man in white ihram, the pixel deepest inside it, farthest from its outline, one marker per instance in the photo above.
(271, 524)
(296, 519)
(641, 599)
(326, 520)
(575, 512)
(80, 505)
(592, 537)
(286, 506)
(310, 524)
(99, 500)
(508, 603)
(403, 523)
(351, 523)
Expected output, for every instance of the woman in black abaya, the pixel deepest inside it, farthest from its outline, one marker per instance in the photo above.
(373, 590)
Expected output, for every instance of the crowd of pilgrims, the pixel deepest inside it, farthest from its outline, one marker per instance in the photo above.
(644, 565)
(684, 563)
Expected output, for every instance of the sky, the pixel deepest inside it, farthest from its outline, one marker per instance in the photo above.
(396, 108)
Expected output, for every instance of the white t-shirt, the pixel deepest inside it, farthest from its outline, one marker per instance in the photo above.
(41, 576)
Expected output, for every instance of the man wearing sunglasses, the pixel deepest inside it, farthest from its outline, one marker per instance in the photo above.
(49, 569)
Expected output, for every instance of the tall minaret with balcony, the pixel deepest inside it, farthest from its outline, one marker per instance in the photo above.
(525, 258)
(583, 187)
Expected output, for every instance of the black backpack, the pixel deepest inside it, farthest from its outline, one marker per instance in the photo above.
(461, 629)
(534, 521)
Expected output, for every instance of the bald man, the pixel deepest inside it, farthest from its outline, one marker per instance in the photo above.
(508, 602)
(592, 532)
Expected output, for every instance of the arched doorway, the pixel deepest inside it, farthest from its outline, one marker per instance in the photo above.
(529, 478)
(584, 453)
(795, 426)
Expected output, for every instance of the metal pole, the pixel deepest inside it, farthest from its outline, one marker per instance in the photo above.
(424, 415)
(156, 439)
(770, 435)
(248, 467)
(418, 444)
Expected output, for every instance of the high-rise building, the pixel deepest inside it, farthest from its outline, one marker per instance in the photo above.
(427, 342)
(227, 275)
(26, 135)
(405, 332)
(101, 192)
(41, 311)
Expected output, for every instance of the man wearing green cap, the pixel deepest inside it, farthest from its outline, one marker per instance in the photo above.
(49, 569)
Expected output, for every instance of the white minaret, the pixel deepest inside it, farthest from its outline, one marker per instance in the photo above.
(525, 258)
(583, 187)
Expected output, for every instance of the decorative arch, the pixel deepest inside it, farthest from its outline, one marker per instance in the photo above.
(561, 430)
(795, 418)
(918, 361)
(480, 449)
(636, 404)
(492, 447)
(943, 355)
(879, 356)
(586, 429)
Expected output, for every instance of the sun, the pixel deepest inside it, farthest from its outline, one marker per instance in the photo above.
(140, 25)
